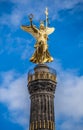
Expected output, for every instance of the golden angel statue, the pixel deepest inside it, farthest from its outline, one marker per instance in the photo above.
(41, 54)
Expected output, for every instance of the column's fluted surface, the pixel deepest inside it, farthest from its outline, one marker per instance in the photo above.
(41, 86)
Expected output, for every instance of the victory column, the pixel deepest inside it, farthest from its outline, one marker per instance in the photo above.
(42, 79)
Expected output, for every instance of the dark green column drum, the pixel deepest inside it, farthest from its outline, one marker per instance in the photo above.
(41, 86)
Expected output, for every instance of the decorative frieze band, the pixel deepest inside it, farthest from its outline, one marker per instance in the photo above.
(41, 75)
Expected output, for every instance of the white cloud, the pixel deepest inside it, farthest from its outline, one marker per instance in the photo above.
(69, 95)
(14, 94)
(22, 8)
(69, 98)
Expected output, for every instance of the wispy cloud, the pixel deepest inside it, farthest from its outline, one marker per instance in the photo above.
(17, 45)
(21, 9)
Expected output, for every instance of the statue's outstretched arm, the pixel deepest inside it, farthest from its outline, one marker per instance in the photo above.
(34, 28)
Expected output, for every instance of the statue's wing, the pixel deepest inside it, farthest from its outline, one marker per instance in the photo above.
(49, 30)
(31, 29)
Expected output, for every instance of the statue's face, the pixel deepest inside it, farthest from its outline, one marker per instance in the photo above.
(41, 27)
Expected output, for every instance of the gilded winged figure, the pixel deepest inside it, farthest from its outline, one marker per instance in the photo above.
(41, 54)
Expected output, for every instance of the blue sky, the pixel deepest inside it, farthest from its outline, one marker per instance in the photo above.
(16, 48)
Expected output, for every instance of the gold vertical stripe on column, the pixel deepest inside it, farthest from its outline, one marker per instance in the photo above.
(40, 124)
(48, 124)
(36, 124)
(32, 126)
(51, 125)
(44, 123)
